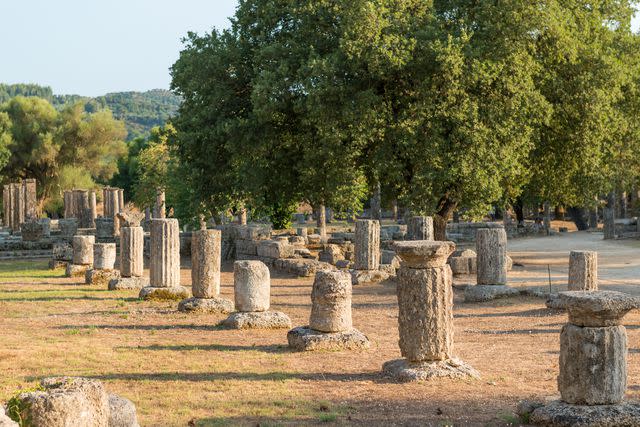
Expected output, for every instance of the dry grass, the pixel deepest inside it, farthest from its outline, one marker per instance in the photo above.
(179, 368)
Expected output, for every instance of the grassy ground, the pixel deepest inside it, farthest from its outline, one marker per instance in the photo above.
(185, 370)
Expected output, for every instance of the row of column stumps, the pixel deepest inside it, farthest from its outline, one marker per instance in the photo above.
(131, 254)
(20, 203)
(82, 247)
(80, 204)
(103, 270)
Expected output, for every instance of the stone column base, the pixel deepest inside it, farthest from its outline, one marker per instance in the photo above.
(405, 371)
(258, 320)
(163, 294)
(359, 277)
(481, 293)
(76, 270)
(128, 283)
(561, 414)
(98, 277)
(206, 305)
(304, 338)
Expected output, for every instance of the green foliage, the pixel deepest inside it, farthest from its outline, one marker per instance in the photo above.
(17, 408)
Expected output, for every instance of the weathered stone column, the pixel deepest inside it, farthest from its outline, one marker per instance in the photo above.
(31, 200)
(17, 201)
(164, 267)
(425, 317)
(366, 267)
(6, 206)
(420, 228)
(82, 256)
(206, 247)
(104, 259)
(104, 228)
(492, 259)
(159, 210)
(583, 271)
(131, 254)
(330, 325)
(593, 362)
(92, 209)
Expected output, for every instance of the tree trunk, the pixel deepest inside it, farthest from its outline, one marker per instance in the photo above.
(580, 217)
(321, 220)
(376, 203)
(394, 209)
(446, 207)
(546, 219)
(593, 218)
(609, 217)
(519, 210)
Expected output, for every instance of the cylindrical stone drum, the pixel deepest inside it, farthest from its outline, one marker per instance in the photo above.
(367, 245)
(593, 365)
(83, 250)
(420, 228)
(131, 251)
(583, 271)
(164, 266)
(491, 249)
(205, 263)
(104, 228)
(104, 256)
(252, 286)
(331, 302)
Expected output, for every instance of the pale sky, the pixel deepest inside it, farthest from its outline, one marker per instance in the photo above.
(91, 47)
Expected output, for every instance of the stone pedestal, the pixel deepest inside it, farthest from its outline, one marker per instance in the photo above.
(252, 289)
(330, 326)
(583, 271)
(206, 249)
(82, 256)
(425, 316)
(593, 363)
(491, 265)
(164, 266)
(420, 228)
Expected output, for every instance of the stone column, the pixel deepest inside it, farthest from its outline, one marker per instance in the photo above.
(593, 362)
(164, 266)
(321, 220)
(68, 201)
(31, 200)
(92, 209)
(425, 316)
(492, 265)
(367, 245)
(159, 211)
(82, 259)
(491, 248)
(330, 325)
(17, 201)
(583, 271)
(120, 200)
(104, 259)
(6, 206)
(420, 228)
(132, 251)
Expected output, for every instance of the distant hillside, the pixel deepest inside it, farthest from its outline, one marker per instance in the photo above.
(139, 110)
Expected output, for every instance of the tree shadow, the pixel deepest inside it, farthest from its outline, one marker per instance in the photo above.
(275, 349)
(191, 327)
(537, 312)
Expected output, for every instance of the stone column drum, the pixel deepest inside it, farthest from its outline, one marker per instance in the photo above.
(104, 259)
(330, 325)
(252, 290)
(82, 259)
(132, 251)
(206, 248)
(593, 363)
(583, 271)
(164, 266)
(367, 245)
(425, 316)
(420, 228)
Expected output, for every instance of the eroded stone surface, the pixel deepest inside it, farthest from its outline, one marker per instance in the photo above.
(252, 286)
(481, 293)
(304, 338)
(360, 277)
(164, 267)
(561, 414)
(420, 228)
(491, 247)
(583, 271)
(131, 251)
(331, 302)
(122, 412)
(367, 245)
(128, 283)
(83, 249)
(100, 278)
(206, 246)
(423, 253)
(593, 365)
(404, 371)
(5, 421)
(104, 256)
(425, 315)
(165, 293)
(258, 320)
(75, 270)
(206, 305)
(597, 308)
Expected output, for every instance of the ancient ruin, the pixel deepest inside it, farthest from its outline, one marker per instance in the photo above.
(366, 265)
(425, 319)
(583, 271)
(103, 271)
(82, 256)
(81, 205)
(252, 290)
(206, 247)
(330, 325)
(164, 266)
(131, 254)
(492, 266)
(420, 228)
(593, 363)
(20, 204)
